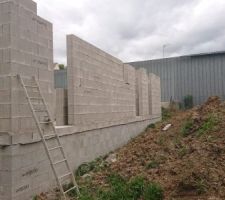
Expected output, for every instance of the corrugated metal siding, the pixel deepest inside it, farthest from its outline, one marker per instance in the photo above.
(199, 75)
(60, 78)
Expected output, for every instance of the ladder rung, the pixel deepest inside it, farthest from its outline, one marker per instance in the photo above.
(63, 176)
(36, 98)
(40, 110)
(50, 136)
(30, 86)
(45, 122)
(52, 149)
(58, 162)
(72, 188)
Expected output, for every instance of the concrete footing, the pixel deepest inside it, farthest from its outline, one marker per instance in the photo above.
(25, 169)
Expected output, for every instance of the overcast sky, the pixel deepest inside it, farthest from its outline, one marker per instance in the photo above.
(137, 29)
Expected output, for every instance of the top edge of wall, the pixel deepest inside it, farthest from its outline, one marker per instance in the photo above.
(100, 51)
(28, 4)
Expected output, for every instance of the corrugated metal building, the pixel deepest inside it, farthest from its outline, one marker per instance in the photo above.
(60, 78)
(199, 75)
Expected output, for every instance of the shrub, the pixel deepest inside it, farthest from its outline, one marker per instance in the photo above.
(71, 193)
(61, 66)
(150, 126)
(95, 166)
(188, 102)
(84, 169)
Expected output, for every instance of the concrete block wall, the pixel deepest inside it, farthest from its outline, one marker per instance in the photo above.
(142, 92)
(100, 87)
(25, 169)
(26, 48)
(154, 95)
(62, 107)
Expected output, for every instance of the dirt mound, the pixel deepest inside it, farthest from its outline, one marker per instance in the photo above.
(188, 160)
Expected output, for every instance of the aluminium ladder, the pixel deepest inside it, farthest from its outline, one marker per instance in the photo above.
(28, 88)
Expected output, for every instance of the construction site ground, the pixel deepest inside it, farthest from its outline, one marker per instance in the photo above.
(184, 162)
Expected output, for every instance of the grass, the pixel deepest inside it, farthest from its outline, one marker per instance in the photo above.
(187, 127)
(161, 140)
(35, 198)
(166, 114)
(133, 189)
(120, 188)
(201, 186)
(152, 164)
(116, 187)
(153, 192)
(198, 185)
(182, 151)
(208, 125)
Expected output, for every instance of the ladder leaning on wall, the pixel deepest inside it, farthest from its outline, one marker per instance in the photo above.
(39, 101)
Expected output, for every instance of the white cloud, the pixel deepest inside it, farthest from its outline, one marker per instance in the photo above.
(136, 30)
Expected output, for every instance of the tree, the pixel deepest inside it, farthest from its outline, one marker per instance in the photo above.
(61, 66)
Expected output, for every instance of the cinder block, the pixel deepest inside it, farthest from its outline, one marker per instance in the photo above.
(96, 78)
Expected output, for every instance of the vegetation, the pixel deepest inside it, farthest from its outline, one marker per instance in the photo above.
(61, 66)
(166, 114)
(197, 185)
(120, 188)
(150, 126)
(188, 102)
(93, 166)
(208, 125)
(201, 186)
(115, 187)
(35, 197)
(182, 151)
(152, 164)
(187, 127)
(187, 160)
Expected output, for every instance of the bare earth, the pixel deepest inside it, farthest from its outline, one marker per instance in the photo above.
(187, 160)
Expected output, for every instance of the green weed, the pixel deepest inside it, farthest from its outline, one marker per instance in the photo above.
(94, 166)
(153, 192)
(201, 186)
(208, 125)
(120, 188)
(188, 102)
(166, 114)
(187, 127)
(152, 164)
(182, 152)
(150, 126)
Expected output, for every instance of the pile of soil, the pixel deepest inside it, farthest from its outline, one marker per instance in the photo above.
(187, 160)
